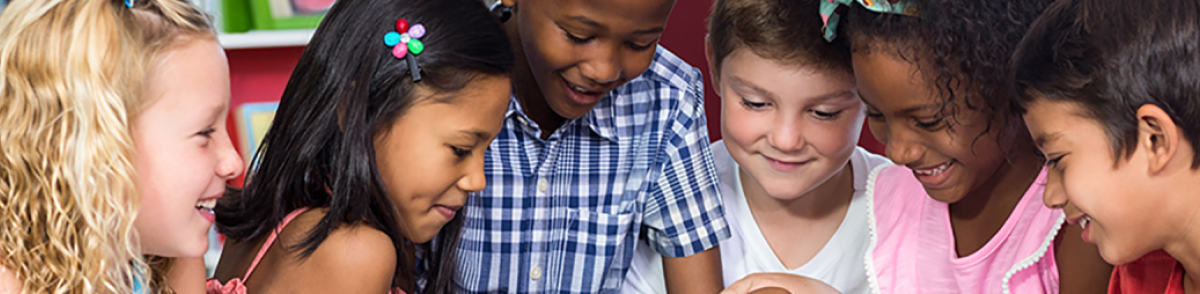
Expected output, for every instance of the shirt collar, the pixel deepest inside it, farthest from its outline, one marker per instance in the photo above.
(599, 119)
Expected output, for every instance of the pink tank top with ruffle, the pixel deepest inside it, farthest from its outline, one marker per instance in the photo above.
(912, 248)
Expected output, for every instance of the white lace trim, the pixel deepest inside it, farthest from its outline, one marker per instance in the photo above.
(1030, 260)
(869, 257)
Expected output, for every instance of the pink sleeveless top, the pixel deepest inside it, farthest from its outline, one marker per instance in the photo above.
(236, 286)
(912, 248)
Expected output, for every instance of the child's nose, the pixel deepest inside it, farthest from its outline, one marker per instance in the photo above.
(1054, 196)
(603, 68)
(231, 164)
(787, 135)
(902, 147)
(474, 180)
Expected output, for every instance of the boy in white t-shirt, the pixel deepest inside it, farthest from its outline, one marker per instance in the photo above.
(791, 177)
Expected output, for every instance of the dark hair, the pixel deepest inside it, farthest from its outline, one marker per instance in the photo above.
(346, 90)
(968, 42)
(788, 31)
(1112, 57)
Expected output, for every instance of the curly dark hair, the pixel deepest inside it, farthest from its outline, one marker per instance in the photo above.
(969, 44)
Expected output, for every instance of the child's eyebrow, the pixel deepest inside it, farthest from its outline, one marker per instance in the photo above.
(592, 23)
(474, 134)
(921, 107)
(1040, 139)
(753, 88)
(831, 96)
(216, 111)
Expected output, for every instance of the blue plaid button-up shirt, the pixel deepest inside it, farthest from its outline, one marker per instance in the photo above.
(562, 215)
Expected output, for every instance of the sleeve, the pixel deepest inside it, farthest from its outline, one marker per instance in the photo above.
(683, 213)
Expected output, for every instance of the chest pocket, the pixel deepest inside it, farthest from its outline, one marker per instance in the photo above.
(598, 247)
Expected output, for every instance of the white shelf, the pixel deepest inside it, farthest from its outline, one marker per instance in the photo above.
(265, 39)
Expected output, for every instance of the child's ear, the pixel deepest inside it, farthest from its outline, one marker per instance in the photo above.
(1159, 135)
(712, 64)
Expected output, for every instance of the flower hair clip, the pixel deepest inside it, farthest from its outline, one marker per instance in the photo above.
(832, 10)
(406, 44)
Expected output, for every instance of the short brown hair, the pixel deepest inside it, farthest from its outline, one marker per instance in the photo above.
(788, 31)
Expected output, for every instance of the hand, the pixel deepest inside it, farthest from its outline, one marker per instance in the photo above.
(764, 283)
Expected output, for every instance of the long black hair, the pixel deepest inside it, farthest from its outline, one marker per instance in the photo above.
(347, 89)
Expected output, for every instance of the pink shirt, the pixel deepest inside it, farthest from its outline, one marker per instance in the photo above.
(912, 243)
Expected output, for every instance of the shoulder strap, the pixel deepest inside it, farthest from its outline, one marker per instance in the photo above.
(270, 240)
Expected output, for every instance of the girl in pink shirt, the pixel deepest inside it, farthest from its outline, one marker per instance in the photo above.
(961, 213)
(378, 140)
(1109, 91)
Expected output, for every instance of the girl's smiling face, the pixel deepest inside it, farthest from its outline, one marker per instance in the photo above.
(949, 150)
(184, 154)
(431, 157)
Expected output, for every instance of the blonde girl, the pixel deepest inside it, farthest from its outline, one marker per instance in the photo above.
(91, 94)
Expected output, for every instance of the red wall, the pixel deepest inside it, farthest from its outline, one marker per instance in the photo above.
(258, 75)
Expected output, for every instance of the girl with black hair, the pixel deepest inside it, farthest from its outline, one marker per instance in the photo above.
(962, 213)
(378, 140)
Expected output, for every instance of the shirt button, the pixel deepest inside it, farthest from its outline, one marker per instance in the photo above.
(543, 185)
(535, 273)
(522, 120)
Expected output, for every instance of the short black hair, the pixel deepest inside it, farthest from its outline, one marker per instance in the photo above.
(1112, 57)
(346, 90)
(787, 31)
(968, 44)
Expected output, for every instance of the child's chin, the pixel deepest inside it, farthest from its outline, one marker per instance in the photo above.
(188, 251)
(1117, 256)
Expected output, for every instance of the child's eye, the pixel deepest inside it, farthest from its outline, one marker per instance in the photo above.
(576, 39)
(929, 125)
(753, 105)
(826, 115)
(1050, 162)
(461, 152)
(207, 133)
(1053, 163)
(875, 116)
(639, 47)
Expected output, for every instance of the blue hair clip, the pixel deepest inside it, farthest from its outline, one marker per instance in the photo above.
(129, 3)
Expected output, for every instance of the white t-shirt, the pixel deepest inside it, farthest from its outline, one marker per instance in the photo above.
(839, 263)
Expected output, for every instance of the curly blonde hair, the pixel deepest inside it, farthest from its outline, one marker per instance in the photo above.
(70, 87)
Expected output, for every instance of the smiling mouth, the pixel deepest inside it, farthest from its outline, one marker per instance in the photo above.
(207, 204)
(447, 211)
(936, 170)
(581, 89)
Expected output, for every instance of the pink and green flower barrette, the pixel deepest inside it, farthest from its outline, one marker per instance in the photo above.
(406, 44)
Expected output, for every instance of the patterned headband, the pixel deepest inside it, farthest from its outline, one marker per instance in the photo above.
(832, 10)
